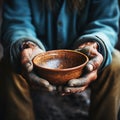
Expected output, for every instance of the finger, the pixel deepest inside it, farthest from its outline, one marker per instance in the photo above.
(84, 49)
(36, 51)
(76, 87)
(84, 80)
(26, 59)
(91, 44)
(71, 90)
(87, 47)
(40, 82)
(94, 63)
(77, 82)
(37, 80)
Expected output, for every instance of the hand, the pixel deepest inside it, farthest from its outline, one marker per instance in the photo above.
(30, 50)
(90, 71)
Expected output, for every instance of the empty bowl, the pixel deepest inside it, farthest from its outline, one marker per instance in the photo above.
(60, 66)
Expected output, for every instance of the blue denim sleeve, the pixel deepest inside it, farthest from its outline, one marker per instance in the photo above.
(102, 27)
(17, 26)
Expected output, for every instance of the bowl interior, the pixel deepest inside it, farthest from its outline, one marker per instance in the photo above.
(60, 59)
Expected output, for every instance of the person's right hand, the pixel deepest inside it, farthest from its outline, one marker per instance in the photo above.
(29, 51)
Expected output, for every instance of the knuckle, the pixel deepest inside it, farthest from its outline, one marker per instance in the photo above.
(94, 76)
(96, 64)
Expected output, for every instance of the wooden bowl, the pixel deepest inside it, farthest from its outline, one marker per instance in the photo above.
(60, 66)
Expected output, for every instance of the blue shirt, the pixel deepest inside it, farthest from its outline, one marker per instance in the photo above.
(62, 29)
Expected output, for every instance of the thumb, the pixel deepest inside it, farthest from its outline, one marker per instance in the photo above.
(26, 61)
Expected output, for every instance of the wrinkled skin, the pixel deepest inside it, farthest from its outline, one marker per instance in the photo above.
(30, 50)
(90, 71)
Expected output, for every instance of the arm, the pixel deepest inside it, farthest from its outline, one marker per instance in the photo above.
(97, 41)
(102, 27)
(20, 41)
(17, 27)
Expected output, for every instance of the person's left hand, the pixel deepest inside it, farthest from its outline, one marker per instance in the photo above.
(89, 73)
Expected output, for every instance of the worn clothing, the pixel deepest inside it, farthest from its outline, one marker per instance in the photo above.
(26, 20)
(105, 97)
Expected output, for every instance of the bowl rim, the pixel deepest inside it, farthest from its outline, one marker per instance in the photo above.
(58, 70)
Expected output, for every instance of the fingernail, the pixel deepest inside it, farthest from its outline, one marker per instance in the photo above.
(28, 64)
(50, 88)
(90, 67)
(46, 84)
(67, 90)
(62, 94)
(72, 82)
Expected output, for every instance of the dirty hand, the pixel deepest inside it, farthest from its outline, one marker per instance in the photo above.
(29, 51)
(89, 73)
